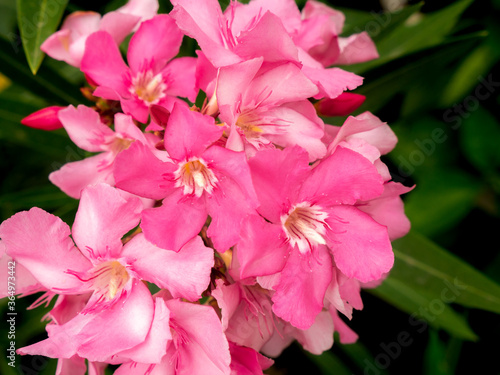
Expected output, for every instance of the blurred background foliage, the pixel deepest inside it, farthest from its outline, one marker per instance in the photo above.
(437, 84)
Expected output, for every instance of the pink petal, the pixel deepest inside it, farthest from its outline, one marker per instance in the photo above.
(262, 249)
(85, 128)
(118, 25)
(302, 130)
(347, 335)
(302, 286)
(155, 43)
(145, 9)
(41, 243)
(71, 366)
(279, 46)
(103, 218)
(136, 108)
(388, 210)
(24, 281)
(57, 46)
(73, 177)
(361, 247)
(204, 22)
(166, 227)
(315, 8)
(138, 171)
(333, 81)
(282, 84)
(126, 128)
(342, 178)
(185, 274)
(246, 361)
(356, 48)
(97, 337)
(208, 350)
(154, 347)
(103, 62)
(368, 127)
(277, 176)
(181, 77)
(319, 337)
(232, 83)
(189, 133)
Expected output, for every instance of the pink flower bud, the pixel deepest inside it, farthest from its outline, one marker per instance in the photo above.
(44, 119)
(342, 105)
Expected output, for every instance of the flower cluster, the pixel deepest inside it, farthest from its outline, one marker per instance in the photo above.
(253, 222)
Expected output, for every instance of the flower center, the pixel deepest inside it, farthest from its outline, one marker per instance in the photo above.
(107, 280)
(119, 144)
(147, 87)
(305, 226)
(248, 126)
(195, 177)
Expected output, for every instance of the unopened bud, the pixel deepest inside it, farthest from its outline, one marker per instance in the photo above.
(342, 105)
(44, 119)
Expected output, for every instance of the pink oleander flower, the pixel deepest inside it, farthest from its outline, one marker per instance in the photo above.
(312, 225)
(237, 34)
(120, 309)
(152, 76)
(195, 345)
(68, 44)
(267, 107)
(89, 133)
(201, 179)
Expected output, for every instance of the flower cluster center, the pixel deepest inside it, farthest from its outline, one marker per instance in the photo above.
(108, 279)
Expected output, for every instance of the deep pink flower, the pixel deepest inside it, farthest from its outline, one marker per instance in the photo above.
(312, 222)
(44, 119)
(152, 76)
(202, 179)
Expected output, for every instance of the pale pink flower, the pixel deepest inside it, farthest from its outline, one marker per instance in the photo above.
(68, 44)
(120, 311)
(89, 133)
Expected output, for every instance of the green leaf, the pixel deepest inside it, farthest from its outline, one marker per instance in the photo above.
(37, 20)
(424, 267)
(46, 84)
(422, 305)
(424, 31)
(440, 357)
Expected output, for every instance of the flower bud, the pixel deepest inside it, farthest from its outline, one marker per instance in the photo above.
(342, 105)
(44, 119)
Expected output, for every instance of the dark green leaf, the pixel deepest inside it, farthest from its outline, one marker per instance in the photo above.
(37, 20)
(422, 305)
(423, 266)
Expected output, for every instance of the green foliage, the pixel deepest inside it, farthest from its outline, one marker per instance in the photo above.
(37, 19)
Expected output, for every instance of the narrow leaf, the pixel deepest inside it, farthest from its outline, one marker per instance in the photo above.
(37, 20)
(425, 267)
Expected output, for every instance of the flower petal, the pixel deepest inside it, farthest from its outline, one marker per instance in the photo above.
(41, 242)
(103, 218)
(185, 274)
